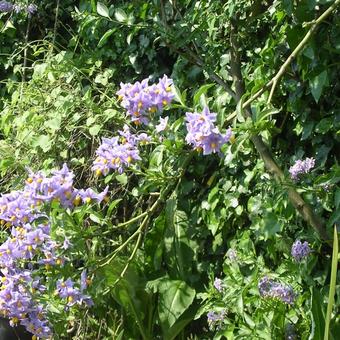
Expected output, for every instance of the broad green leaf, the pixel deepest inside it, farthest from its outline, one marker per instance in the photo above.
(317, 84)
(112, 205)
(128, 291)
(271, 225)
(175, 297)
(120, 15)
(318, 317)
(201, 91)
(334, 268)
(156, 157)
(53, 124)
(102, 10)
(179, 325)
(94, 130)
(324, 125)
(179, 97)
(106, 36)
(122, 179)
(44, 142)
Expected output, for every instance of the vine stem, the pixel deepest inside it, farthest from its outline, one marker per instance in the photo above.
(137, 232)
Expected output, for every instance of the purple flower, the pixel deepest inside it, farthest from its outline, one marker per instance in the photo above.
(17, 8)
(215, 319)
(269, 288)
(142, 100)
(83, 280)
(219, 284)
(5, 6)
(66, 244)
(112, 154)
(232, 254)
(143, 138)
(301, 167)
(163, 122)
(89, 196)
(300, 250)
(203, 134)
(31, 9)
(66, 290)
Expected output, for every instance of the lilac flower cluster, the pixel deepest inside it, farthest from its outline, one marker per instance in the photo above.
(6, 7)
(271, 289)
(202, 132)
(300, 250)
(301, 167)
(20, 207)
(116, 153)
(219, 284)
(141, 99)
(215, 319)
(73, 295)
(30, 242)
(17, 304)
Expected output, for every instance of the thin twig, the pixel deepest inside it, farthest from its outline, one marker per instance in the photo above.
(135, 248)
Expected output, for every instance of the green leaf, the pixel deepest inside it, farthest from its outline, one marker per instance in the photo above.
(332, 283)
(317, 84)
(53, 124)
(179, 325)
(201, 91)
(120, 15)
(271, 225)
(43, 141)
(324, 125)
(179, 97)
(156, 157)
(175, 297)
(104, 38)
(94, 130)
(318, 318)
(112, 205)
(122, 179)
(102, 10)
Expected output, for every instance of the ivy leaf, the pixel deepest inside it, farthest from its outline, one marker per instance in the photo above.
(43, 141)
(54, 123)
(94, 130)
(317, 84)
(103, 10)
